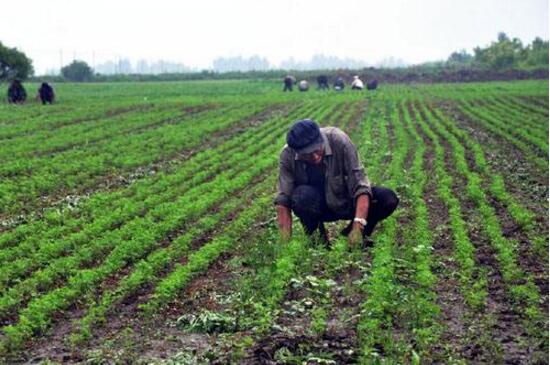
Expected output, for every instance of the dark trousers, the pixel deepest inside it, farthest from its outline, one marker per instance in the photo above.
(310, 207)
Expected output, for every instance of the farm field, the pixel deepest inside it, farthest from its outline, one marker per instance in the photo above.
(137, 226)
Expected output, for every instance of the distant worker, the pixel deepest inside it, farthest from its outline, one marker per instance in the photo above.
(357, 84)
(46, 94)
(372, 85)
(322, 179)
(303, 86)
(289, 81)
(322, 82)
(339, 84)
(16, 93)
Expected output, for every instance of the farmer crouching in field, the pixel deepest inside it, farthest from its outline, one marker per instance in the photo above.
(16, 93)
(46, 93)
(288, 82)
(321, 179)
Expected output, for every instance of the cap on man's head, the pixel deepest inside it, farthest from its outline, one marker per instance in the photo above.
(304, 136)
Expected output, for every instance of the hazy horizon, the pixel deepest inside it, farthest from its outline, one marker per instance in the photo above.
(54, 33)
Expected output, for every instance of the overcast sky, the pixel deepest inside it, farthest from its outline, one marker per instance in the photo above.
(196, 32)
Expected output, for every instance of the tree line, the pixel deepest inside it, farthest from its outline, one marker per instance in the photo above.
(503, 54)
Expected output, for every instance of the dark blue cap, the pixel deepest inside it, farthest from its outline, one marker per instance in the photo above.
(304, 136)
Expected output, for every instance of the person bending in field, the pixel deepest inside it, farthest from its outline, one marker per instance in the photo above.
(322, 179)
(372, 85)
(46, 94)
(357, 84)
(322, 82)
(339, 84)
(289, 81)
(303, 86)
(16, 93)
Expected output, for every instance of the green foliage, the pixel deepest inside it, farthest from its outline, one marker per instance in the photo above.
(208, 322)
(537, 53)
(77, 71)
(14, 64)
(461, 58)
(508, 53)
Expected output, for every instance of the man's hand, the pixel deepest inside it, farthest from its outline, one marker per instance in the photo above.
(285, 235)
(355, 237)
(284, 218)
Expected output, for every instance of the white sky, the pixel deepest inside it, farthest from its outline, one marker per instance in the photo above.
(196, 32)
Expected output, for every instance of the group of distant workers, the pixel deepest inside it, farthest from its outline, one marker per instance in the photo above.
(18, 95)
(322, 82)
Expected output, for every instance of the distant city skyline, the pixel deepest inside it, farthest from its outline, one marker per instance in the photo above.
(228, 64)
(195, 34)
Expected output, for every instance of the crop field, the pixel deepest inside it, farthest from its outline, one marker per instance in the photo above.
(137, 226)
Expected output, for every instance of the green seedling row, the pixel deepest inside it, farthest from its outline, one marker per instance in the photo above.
(504, 109)
(82, 168)
(146, 271)
(521, 287)
(523, 216)
(529, 108)
(473, 283)
(516, 127)
(143, 189)
(86, 253)
(21, 331)
(37, 315)
(499, 128)
(376, 322)
(24, 259)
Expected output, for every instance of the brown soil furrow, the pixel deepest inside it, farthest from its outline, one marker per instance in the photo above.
(410, 152)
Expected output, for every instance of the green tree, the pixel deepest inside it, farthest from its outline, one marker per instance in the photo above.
(502, 54)
(537, 53)
(77, 71)
(14, 64)
(460, 58)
